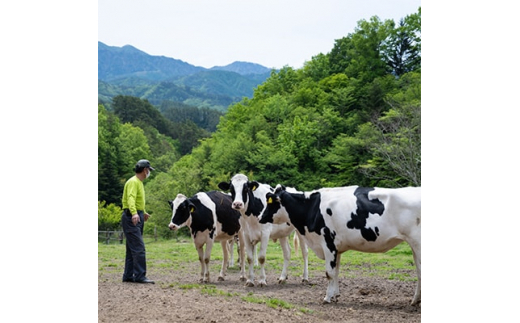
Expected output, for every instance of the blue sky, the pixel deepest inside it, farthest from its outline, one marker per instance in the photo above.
(211, 33)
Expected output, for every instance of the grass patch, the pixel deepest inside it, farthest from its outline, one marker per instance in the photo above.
(269, 301)
(206, 289)
(278, 303)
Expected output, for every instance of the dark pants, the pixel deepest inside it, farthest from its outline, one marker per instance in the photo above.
(135, 261)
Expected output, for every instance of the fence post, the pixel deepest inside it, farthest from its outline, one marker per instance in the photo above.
(107, 237)
(155, 233)
(121, 238)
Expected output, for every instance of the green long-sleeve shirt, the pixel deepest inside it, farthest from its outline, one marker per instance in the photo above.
(133, 195)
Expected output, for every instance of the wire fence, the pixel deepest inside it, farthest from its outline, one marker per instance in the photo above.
(118, 236)
(113, 237)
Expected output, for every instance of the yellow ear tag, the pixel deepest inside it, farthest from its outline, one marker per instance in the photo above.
(254, 188)
(192, 209)
(270, 200)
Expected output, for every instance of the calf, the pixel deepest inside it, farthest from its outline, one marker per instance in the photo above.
(210, 218)
(334, 220)
(250, 199)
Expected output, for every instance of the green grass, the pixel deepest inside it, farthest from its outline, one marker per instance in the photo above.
(269, 301)
(168, 256)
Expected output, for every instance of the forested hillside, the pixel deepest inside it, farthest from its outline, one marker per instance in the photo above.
(348, 117)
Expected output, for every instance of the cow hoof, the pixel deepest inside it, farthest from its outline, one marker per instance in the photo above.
(305, 281)
(250, 284)
(281, 281)
(263, 284)
(220, 278)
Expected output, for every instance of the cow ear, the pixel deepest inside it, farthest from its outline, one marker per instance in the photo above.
(191, 206)
(270, 198)
(224, 186)
(253, 185)
(171, 203)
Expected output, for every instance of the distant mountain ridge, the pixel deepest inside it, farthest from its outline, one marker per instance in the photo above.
(127, 61)
(243, 68)
(129, 71)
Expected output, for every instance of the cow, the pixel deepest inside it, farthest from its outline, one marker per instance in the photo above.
(366, 219)
(210, 218)
(249, 197)
(231, 246)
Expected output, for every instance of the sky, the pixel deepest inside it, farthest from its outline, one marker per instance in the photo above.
(209, 33)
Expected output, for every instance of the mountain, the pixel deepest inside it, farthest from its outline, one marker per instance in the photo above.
(243, 68)
(129, 71)
(128, 61)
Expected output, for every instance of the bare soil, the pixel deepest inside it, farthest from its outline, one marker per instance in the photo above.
(363, 299)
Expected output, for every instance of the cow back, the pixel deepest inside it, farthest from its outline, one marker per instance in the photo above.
(226, 215)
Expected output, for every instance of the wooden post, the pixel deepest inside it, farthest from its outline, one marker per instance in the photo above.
(155, 233)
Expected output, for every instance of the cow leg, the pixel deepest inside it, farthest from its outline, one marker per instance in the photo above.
(416, 249)
(296, 242)
(261, 258)
(305, 255)
(255, 254)
(225, 253)
(200, 251)
(207, 256)
(230, 246)
(249, 246)
(286, 250)
(332, 263)
(241, 257)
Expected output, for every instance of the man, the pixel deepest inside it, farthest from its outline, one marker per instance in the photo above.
(132, 221)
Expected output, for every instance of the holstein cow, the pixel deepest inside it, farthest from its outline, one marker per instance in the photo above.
(210, 218)
(334, 220)
(249, 197)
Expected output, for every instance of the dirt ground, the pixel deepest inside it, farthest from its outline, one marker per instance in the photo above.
(362, 299)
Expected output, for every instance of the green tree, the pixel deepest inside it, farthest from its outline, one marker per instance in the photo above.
(403, 48)
(143, 114)
(110, 184)
(358, 55)
(109, 216)
(133, 147)
(394, 138)
(158, 192)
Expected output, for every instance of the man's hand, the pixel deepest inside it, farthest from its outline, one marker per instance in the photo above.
(146, 216)
(135, 219)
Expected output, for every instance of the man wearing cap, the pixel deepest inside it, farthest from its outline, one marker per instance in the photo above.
(132, 221)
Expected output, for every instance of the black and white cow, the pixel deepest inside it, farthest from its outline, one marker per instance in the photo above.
(249, 197)
(210, 218)
(334, 220)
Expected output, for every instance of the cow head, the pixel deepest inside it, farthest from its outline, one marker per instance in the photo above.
(182, 208)
(275, 212)
(241, 191)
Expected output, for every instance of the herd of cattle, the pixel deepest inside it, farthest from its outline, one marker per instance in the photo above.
(329, 221)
